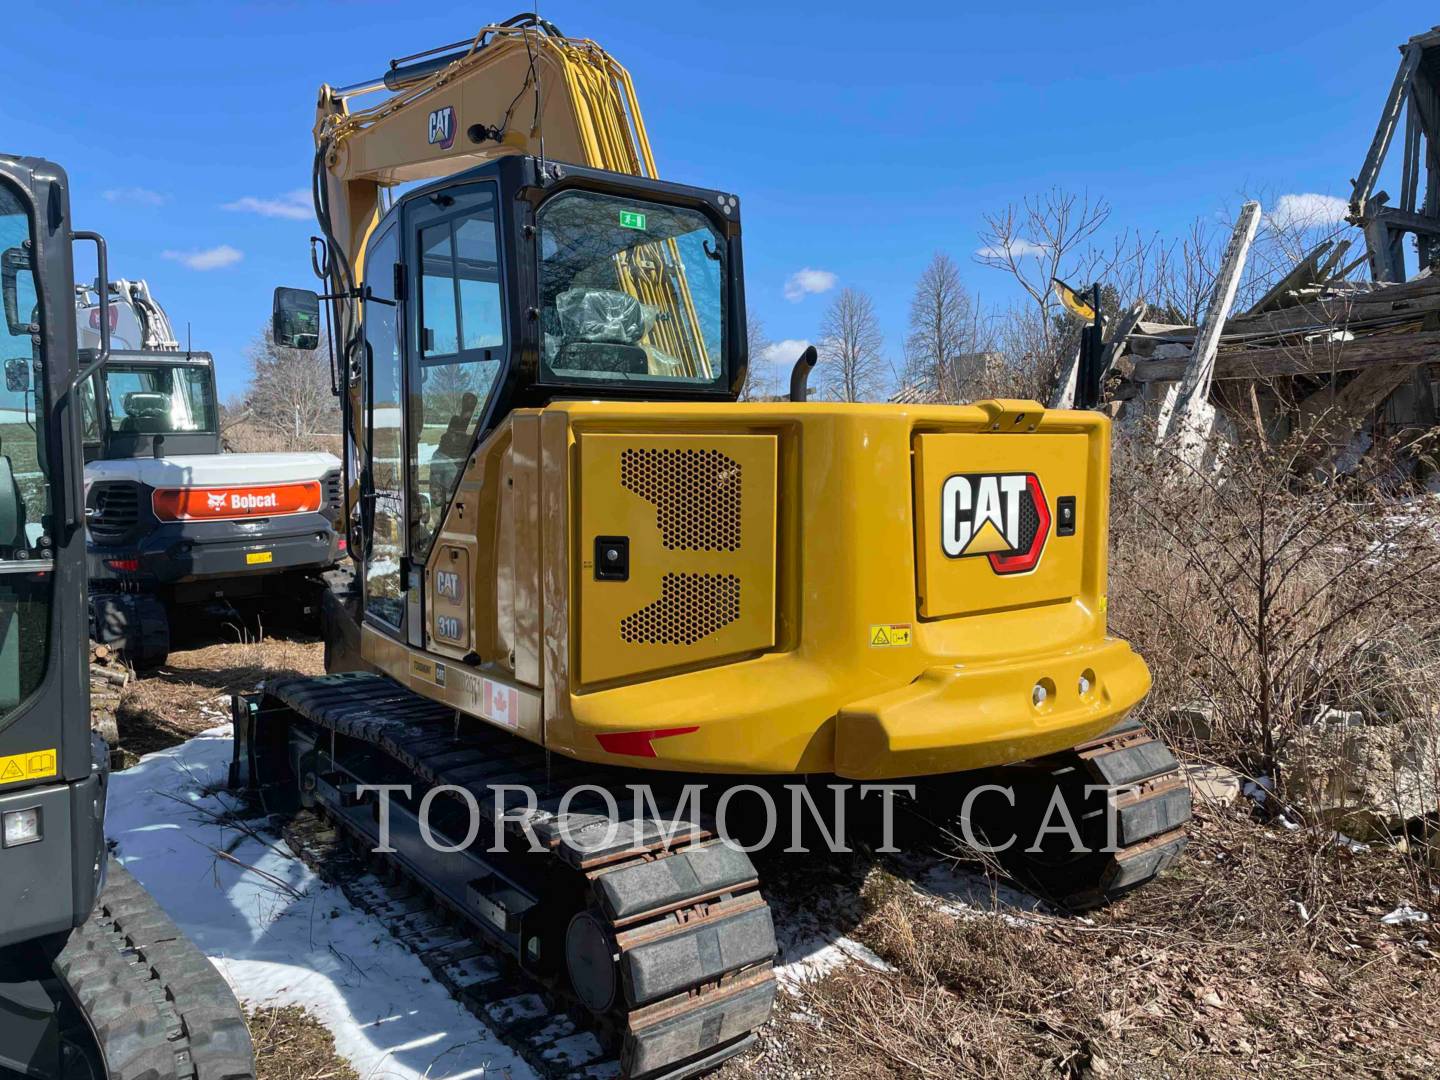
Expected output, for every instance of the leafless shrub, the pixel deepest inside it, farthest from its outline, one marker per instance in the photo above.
(1267, 591)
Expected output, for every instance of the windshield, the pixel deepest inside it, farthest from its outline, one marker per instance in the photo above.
(158, 399)
(630, 291)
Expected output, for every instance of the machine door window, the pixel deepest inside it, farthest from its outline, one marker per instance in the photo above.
(461, 348)
(385, 521)
(26, 551)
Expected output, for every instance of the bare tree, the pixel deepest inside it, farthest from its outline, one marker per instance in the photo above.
(852, 348)
(289, 395)
(1045, 237)
(762, 381)
(946, 348)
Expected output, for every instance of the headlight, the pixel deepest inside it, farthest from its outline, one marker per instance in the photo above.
(21, 827)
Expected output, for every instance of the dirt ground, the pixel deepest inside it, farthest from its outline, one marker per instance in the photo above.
(191, 692)
(1262, 953)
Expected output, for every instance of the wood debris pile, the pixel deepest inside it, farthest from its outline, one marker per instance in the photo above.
(1361, 355)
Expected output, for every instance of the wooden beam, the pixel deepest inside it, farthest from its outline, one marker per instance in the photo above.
(1064, 395)
(1303, 273)
(1346, 312)
(1327, 268)
(1329, 418)
(1318, 358)
(1385, 130)
(1393, 218)
(1339, 314)
(1427, 119)
(1387, 262)
(1195, 385)
(1358, 398)
(1410, 164)
(1123, 329)
(1187, 419)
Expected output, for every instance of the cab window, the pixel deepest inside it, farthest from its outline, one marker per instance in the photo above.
(159, 399)
(26, 552)
(461, 347)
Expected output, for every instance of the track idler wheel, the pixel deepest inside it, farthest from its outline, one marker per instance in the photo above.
(591, 961)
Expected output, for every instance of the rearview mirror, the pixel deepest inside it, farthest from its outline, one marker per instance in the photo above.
(17, 375)
(11, 263)
(295, 322)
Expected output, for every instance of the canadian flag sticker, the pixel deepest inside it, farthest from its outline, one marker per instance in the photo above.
(500, 703)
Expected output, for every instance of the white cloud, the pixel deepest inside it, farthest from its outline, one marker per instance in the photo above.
(139, 196)
(1018, 249)
(1308, 211)
(293, 205)
(784, 352)
(214, 258)
(808, 282)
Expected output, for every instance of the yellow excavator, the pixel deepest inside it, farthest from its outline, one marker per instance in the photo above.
(581, 563)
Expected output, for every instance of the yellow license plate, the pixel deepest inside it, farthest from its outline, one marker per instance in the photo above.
(255, 557)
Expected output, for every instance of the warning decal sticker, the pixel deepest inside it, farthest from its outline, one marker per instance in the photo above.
(889, 635)
(33, 766)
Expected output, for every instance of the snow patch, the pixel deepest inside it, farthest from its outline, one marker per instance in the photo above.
(279, 934)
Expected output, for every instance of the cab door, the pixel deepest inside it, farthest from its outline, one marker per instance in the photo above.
(383, 480)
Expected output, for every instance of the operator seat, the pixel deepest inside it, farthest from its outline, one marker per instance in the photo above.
(12, 511)
(146, 412)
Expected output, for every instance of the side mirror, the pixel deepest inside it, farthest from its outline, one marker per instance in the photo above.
(295, 321)
(17, 375)
(11, 263)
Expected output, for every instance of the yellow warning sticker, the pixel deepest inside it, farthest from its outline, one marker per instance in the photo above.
(33, 766)
(255, 557)
(889, 635)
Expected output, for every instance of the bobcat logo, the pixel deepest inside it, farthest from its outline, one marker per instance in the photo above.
(1003, 516)
(216, 499)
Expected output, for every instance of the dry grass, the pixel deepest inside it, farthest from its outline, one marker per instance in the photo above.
(182, 698)
(290, 1044)
(1215, 971)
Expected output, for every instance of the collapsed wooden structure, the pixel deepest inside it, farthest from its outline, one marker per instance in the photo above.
(1316, 344)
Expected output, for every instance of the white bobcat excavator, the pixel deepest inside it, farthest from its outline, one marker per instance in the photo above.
(174, 523)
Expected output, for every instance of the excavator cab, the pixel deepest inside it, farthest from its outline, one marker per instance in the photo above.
(84, 992)
(512, 285)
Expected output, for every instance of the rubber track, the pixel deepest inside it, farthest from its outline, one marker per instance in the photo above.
(158, 1007)
(1151, 800)
(693, 936)
(492, 988)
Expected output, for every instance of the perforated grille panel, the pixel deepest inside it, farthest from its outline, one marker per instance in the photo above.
(691, 608)
(696, 495)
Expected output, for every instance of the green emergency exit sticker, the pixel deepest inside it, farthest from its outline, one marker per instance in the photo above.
(632, 219)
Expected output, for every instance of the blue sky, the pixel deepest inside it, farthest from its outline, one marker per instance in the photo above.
(860, 143)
